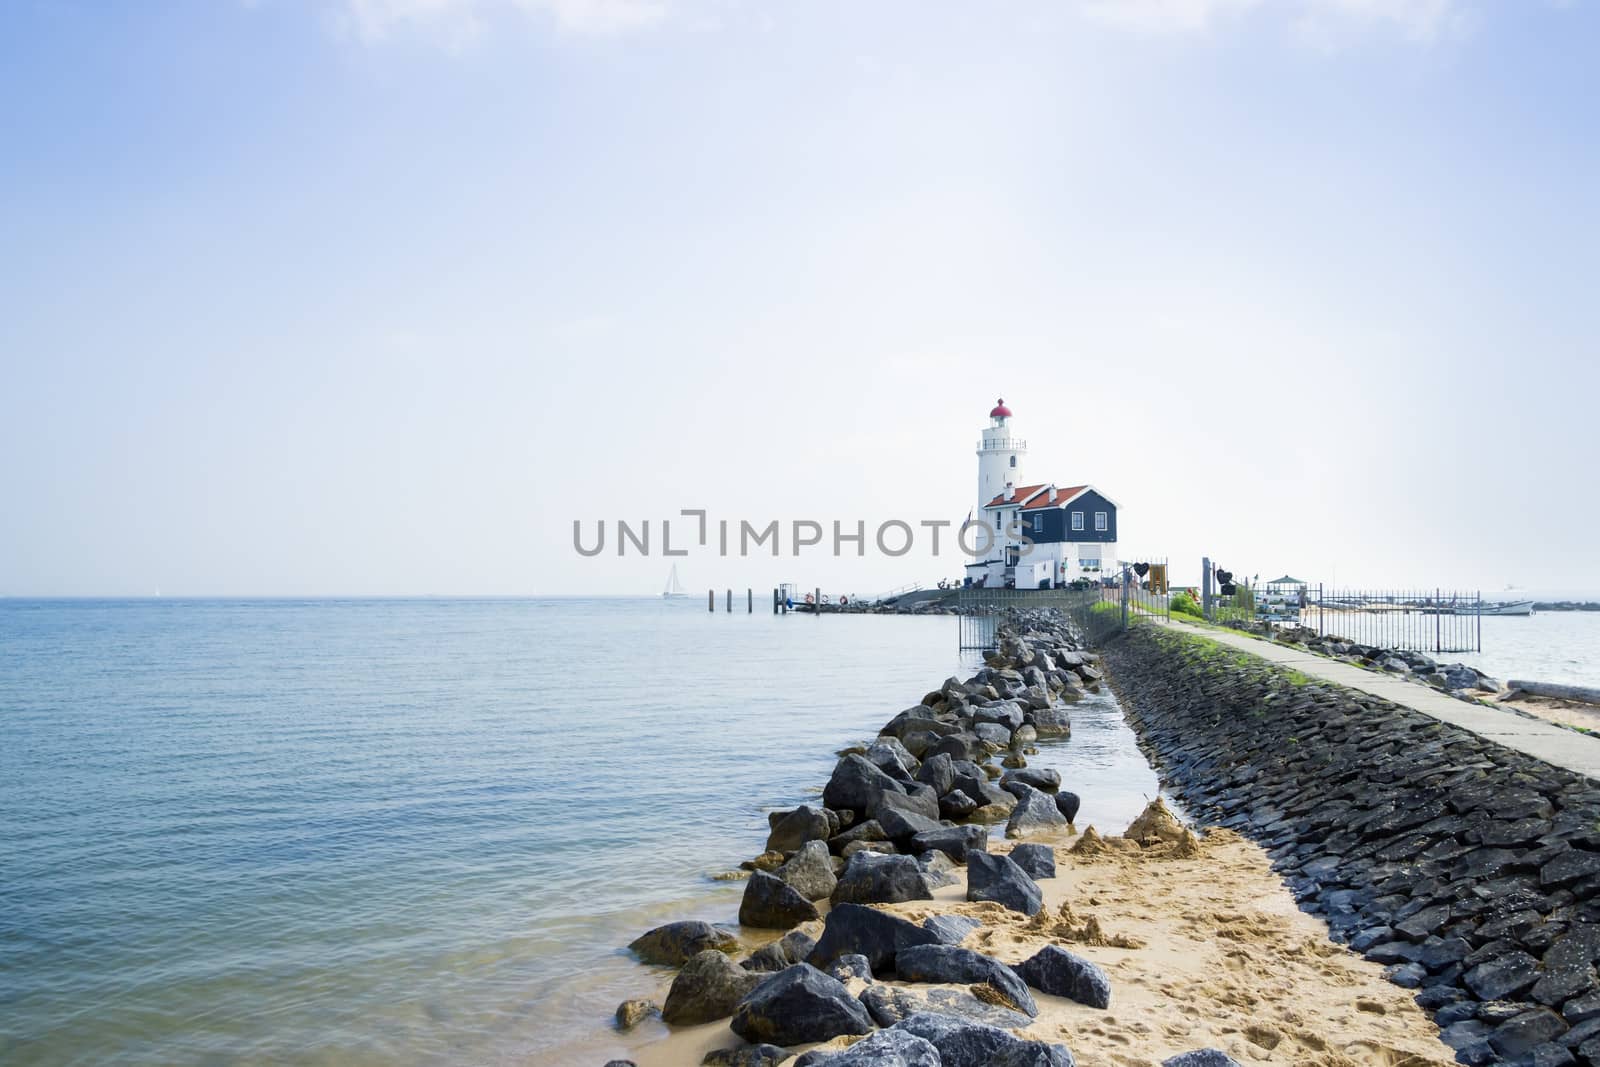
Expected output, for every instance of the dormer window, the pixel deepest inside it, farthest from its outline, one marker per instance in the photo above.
(1077, 520)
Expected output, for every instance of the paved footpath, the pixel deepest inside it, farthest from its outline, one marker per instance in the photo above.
(1542, 740)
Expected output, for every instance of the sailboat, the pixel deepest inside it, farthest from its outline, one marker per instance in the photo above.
(674, 587)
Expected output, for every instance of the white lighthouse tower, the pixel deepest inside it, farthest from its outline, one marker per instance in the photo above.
(999, 457)
(999, 473)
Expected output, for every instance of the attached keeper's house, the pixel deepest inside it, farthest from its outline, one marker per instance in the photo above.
(1072, 528)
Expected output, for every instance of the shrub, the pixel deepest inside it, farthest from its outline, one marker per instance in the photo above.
(1183, 604)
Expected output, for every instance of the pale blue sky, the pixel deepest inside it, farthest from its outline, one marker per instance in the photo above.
(377, 296)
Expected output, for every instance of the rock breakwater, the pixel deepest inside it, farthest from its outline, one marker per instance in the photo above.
(1468, 869)
(947, 946)
(896, 817)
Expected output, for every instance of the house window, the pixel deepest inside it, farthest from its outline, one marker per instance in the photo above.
(1013, 461)
(997, 520)
(1100, 521)
(1077, 520)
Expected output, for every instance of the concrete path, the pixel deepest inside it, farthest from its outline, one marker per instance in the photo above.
(1542, 740)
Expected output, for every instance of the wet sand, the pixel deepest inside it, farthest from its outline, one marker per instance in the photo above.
(1204, 950)
(1564, 712)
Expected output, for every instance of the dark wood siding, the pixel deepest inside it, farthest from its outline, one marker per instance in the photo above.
(1051, 525)
(1089, 503)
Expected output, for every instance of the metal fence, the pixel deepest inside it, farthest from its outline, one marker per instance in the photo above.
(1416, 620)
(982, 609)
(1100, 610)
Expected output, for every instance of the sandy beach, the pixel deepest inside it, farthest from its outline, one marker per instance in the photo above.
(1205, 950)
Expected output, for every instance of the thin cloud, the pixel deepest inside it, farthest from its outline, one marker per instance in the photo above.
(1321, 21)
(457, 24)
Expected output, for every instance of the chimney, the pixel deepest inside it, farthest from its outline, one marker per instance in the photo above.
(1052, 492)
(1011, 491)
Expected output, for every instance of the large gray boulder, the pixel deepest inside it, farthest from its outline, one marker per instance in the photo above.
(853, 965)
(953, 841)
(746, 1056)
(799, 1005)
(856, 784)
(938, 772)
(917, 719)
(771, 903)
(902, 825)
(791, 829)
(1002, 713)
(892, 758)
(709, 987)
(886, 1048)
(965, 1043)
(1058, 972)
(877, 935)
(793, 947)
(999, 879)
(918, 799)
(965, 745)
(1036, 861)
(809, 871)
(992, 733)
(919, 742)
(1067, 805)
(875, 878)
(1035, 812)
(956, 805)
(950, 929)
(979, 788)
(1053, 722)
(675, 943)
(1041, 778)
(866, 830)
(947, 963)
(888, 1004)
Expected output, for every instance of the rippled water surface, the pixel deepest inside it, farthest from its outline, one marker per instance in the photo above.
(408, 831)
(1551, 646)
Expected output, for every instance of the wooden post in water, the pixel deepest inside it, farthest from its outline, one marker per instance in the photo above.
(774, 601)
(711, 601)
(818, 604)
(730, 602)
(749, 600)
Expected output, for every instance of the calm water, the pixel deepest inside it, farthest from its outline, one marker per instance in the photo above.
(408, 831)
(1552, 646)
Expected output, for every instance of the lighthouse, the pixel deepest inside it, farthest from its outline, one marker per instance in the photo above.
(1043, 535)
(999, 456)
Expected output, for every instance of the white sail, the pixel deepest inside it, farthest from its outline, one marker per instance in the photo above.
(674, 587)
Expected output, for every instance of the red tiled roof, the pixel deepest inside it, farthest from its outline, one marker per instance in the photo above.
(1032, 497)
(1018, 496)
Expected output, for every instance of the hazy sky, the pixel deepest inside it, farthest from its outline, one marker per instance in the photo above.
(378, 296)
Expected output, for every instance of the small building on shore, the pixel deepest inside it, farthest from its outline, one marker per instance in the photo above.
(1043, 535)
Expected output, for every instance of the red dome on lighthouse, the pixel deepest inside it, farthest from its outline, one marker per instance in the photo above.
(1000, 410)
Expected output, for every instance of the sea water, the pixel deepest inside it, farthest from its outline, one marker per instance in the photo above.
(1562, 647)
(422, 831)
